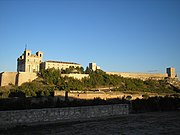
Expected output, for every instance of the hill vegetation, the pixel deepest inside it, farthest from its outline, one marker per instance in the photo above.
(50, 80)
(39, 93)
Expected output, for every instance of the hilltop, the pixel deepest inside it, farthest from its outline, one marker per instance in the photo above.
(50, 80)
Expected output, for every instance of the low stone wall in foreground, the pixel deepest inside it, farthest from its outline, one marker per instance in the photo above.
(10, 119)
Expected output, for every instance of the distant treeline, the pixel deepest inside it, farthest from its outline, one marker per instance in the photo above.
(153, 104)
(150, 104)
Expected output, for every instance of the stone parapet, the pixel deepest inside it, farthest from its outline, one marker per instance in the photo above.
(76, 76)
(53, 115)
(142, 76)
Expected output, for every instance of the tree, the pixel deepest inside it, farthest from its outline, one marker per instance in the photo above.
(51, 76)
(88, 70)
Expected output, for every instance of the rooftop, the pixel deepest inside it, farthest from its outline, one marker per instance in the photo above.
(62, 62)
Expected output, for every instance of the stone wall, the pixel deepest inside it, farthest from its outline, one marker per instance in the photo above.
(53, 115)
(97, 94)
(25, 77)
(16, 78)
(7, 78)
(142, 76)
(76, 76)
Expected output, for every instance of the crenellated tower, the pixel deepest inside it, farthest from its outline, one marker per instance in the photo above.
(29, 62)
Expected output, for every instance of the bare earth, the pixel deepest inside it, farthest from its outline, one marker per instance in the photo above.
(163, 123)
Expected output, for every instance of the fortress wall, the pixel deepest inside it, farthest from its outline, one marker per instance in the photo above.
(53, 115)
(8, 78)
(26, 77)
(16, 78)
(92, 95)
(143, 76)
(76, 76)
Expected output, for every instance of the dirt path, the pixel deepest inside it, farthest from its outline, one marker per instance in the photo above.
(165, 123)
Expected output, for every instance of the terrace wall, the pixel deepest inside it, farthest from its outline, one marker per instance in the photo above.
(53, 115)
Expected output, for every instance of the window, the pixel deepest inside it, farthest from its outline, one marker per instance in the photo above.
(29, 68)
(28, 54)
(40, 55)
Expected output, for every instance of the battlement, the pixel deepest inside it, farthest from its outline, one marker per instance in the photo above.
(27, 53)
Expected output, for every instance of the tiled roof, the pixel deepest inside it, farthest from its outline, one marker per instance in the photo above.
(62, 62)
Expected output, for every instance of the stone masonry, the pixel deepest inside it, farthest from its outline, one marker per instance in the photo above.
(10, 119)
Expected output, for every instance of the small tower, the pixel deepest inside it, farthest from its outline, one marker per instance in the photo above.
(171, 72)
(29, 62)
(93, 66)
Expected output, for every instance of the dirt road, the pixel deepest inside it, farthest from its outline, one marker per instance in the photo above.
(165, 123)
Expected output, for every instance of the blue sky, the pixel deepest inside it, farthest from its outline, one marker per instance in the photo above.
(119, 35)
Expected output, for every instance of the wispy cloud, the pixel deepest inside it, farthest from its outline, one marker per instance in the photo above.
(153, 71)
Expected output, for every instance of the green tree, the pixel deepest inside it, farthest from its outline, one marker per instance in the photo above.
(51, 76)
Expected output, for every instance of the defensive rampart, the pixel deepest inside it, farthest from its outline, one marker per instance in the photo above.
(53, 115)
(25, 77)
(16, 78)
(142, 76)
(90, 95)
(7, 78)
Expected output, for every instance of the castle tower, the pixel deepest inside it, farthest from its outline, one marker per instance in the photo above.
(171, 72)
(92, 66)
(29, 62)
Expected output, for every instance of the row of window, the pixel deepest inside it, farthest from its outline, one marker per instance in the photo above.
(33, 69)
(34, 60)
(58, 66)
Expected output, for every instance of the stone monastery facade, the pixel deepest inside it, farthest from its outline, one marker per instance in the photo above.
(28, 65)
(33, 63)
(29, 62)
(59, 65)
